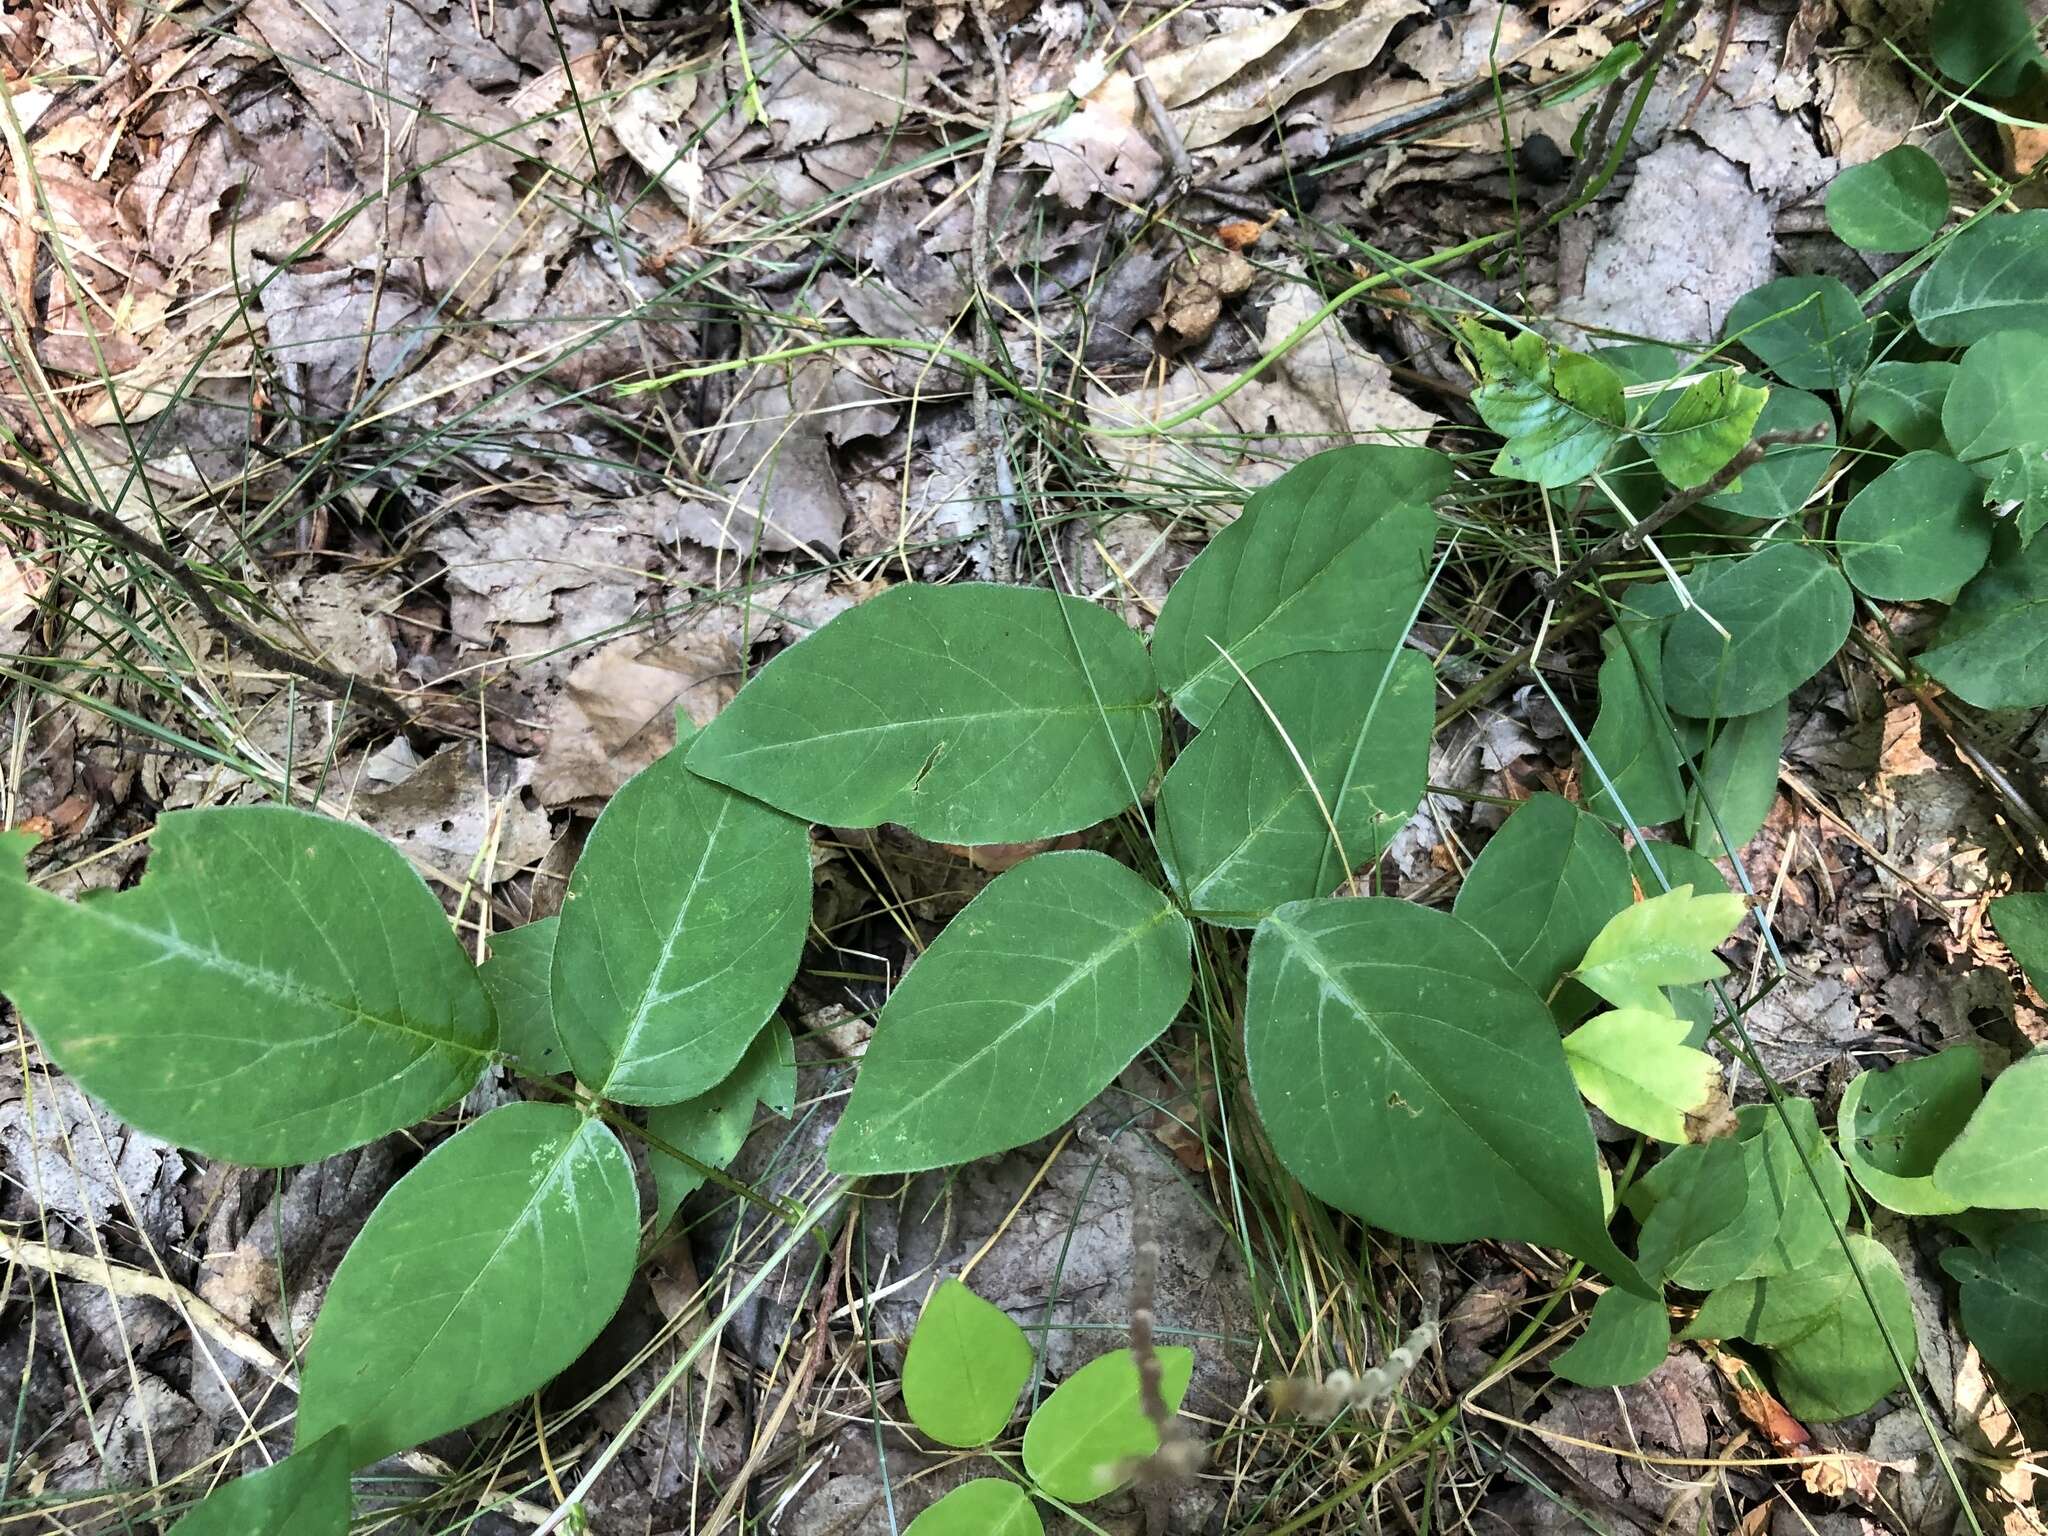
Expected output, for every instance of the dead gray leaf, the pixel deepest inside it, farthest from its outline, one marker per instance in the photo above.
(450, 812)
(75, 1159)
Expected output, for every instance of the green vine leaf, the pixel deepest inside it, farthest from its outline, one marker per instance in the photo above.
(1991, 276)
(1894, 1124)
(2005, 1303)
(516, 976)
(969, 714)
(1903, 401)
(1985, 46)
(2021, 919)
(1919, 530)
(1383, 1035)
(1784, 480)
(1241, 830)
(1808, 331)
(1332, 556)
(1706, 427)
(1637, 783)
(1786, 612)
(988, 1506)
(279, 988)
(966, 1364)
(1043, 989)
(1634, 1063)
(1736, 783)
(2022, 479)
(1626, 1338)
(483, 1274)
(1082, 1440)
(2000, 1161)
(1700, 1227)
(1992, 647)
(1662, 941)
(1999, 400)
(713, 1126)
(306, 1494)
(1561, 413)
(1543, 887)
(1897, 202)
(682, 927)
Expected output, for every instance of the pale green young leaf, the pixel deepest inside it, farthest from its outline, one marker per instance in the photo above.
(482, 1275)
(1809, 331)
(1332, 556)
(1634, 1063)
(1786, 612)
(1894, 1124)
(516, 976)
(306, 1494)
(1082, 1440)
(1918, 530)
(970, 714)
(1043, 989)
(1243, 829)
(1626, 1337)
(1543, 886)
(2000, 1161)
(1999, 400)
(684, 920)
(966, 1364)
(1383, 1035)
(1992, 647)
(280, 987)
(2004, 1294)
(1661, 941)
(1991, 276)
(1637, 783)
(713, 1126)
(1784, 480)
(1737, 780)
(1897, 202)
(2022, 480)
(988, 1506)
(2021, 918)
(1706, 427)
(1561, 411)
(1903, 401)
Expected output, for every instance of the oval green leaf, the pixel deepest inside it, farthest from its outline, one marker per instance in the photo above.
(1992, 647)
(2000, 1161)
(1626, 1337)
(516, 976)
(1919, 530)
(1332, 556)
(2021, 919)
(1999, 400)
(306, 1494)
(1082, 1439)
(2004, 1297)
(1984, 46)
(1241, 830)
(1786, 611)
(1991, 276)
(279, 988)
(1903, 401)
(966, 1364)
(1384, 1036)
(969, 714)
(1784, 480)
(1897, 202)
(1894, 1124)
(1543, 887)
(1736, 782)
(1043, 989)
(1634, 1063)
(1808, 331)
(1632, 776)
(482, 1275)
(713, 1126)
(684, 920)
(988, 1506)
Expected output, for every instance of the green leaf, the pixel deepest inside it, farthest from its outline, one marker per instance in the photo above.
(1561, 413)
(1992, 648)
(1799, 1181)
(1080, 1441)
(1043, 989)
(1897, 202)
(1985, 46)
(1700, 1227)
(2022, 478)
(306, 1494)
(483, 1274)
(1737, 779)
(1630, 741)
(1662, 941)
(1828, 1353)
(713, 1126)
(2021, 919)
(1784, 480)
(1543, 887)
(1894, 1124)
(1610, 67)
(1991, 276)
(1903, 401)
(2004, 1297)
(1706, 427)
(1626, 1337)
(1999, 400)
(2000, 1161)
(1381, 1036)
(682, 928)
(1634, 1063)
(516, 976)
(1241, 830)
(1809, 331)
(1332, 556)
(969, 714)
(966, 1364)
(1678, 864)
(1918, 530)
(1786, 611)
(988, 1506)
(280, 987)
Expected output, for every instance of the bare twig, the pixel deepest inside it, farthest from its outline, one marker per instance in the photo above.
(1182, 169)
(1632, 537)
(1713, 69)
(1002, 532)
(338, 685)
